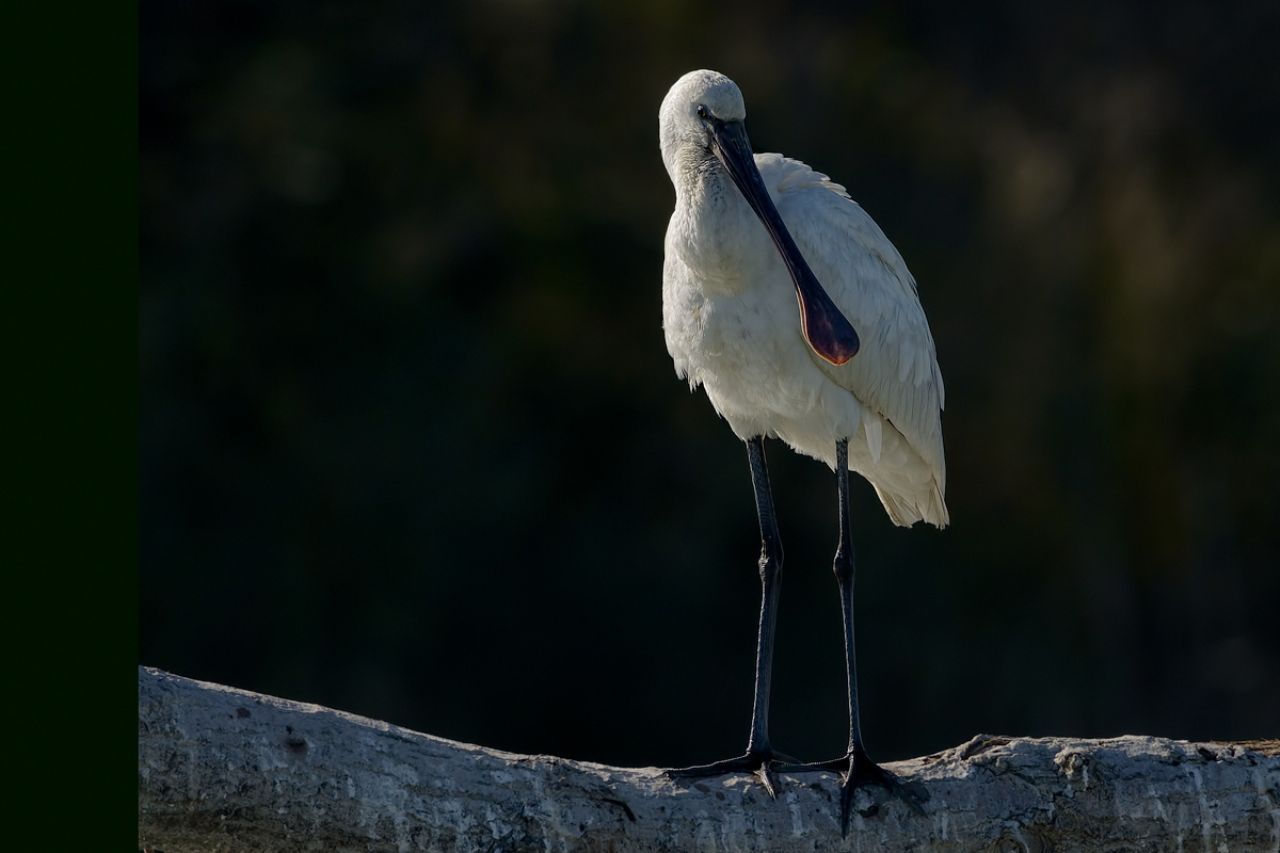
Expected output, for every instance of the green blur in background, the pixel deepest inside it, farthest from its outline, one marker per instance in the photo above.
(412, 445)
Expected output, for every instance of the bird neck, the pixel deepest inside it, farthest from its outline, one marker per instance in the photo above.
(715, 231)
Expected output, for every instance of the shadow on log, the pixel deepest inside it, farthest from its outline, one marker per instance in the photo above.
(225, 769)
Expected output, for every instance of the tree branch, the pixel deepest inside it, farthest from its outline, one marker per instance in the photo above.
(225, 769)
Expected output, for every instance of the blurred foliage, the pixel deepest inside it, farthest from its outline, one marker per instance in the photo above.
(412, 445)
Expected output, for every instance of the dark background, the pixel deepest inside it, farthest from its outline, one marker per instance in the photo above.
(412, 445)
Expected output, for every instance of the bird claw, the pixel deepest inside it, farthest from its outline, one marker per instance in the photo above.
(758, 764)
(858, 771)
(765, 775)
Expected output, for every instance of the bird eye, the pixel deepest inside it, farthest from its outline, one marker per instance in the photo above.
(702, 111)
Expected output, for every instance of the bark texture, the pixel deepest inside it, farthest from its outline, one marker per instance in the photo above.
(225, 769)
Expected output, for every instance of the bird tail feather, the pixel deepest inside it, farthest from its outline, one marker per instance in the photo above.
(905, 510)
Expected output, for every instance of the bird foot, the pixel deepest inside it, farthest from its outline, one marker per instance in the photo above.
(858, 771)
(759, 763)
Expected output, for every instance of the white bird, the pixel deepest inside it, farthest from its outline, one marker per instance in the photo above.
(791, 308)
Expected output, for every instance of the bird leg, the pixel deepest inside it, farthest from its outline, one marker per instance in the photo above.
(858, 770)
(760, 758)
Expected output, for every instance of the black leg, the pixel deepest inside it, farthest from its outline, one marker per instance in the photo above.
(759, 755)
(857, 768)
(770, 581)
(843, 567)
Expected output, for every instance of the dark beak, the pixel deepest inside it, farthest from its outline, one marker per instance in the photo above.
(828, 332)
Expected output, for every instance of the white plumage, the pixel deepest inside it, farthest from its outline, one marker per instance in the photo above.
(733, 325)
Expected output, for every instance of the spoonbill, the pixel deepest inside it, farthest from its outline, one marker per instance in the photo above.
(791, 308)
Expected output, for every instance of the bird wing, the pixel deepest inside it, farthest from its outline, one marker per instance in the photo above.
(896, 369)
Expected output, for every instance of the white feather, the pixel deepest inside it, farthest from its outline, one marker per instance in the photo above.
(875, 435)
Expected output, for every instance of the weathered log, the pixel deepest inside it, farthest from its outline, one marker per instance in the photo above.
(225, 769)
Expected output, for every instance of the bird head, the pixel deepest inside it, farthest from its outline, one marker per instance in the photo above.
(693, 103)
